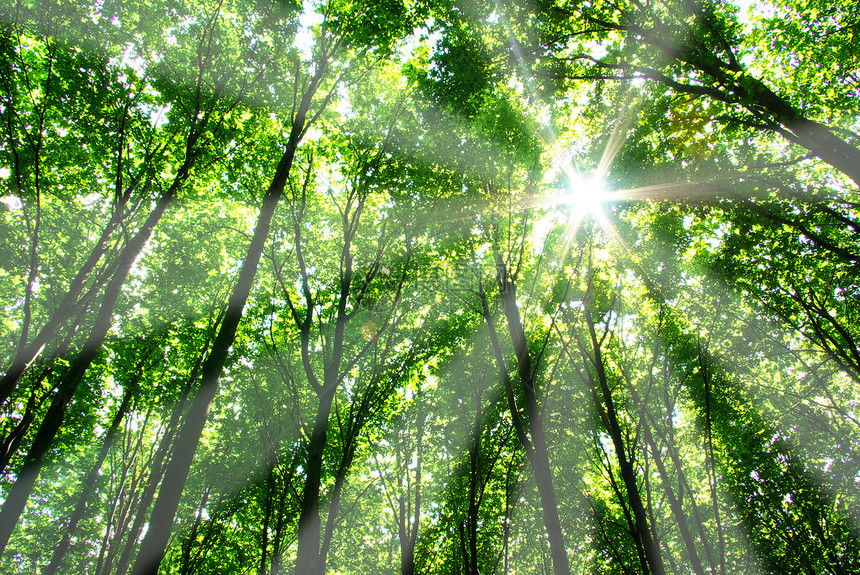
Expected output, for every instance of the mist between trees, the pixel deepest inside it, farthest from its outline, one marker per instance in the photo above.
(424, 287)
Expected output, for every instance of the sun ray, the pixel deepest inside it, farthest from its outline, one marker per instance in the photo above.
(613, 146)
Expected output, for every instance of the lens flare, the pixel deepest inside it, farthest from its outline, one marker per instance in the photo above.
(585, 196)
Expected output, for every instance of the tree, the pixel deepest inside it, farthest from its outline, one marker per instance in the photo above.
(693, 48)
(430, 287)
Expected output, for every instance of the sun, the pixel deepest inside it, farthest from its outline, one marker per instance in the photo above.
(584, 196)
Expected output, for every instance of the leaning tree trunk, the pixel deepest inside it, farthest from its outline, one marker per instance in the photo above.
(734, 85)
(533, 441)
(775, 112)
(653, 561)
(23, 486)
(154, 544)
(795, 127)
(70, 304)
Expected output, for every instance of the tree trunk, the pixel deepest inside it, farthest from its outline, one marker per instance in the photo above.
(12, 441)
(68, 307)
(87, 485)
(20, 492)
(155, 542)
(129, 481)
(267, 517)
(472, 511)
(628, 473)
(674, 503)
(185, 564)
(815, 137)
(535, 442)
(347, 457)
(407, 551)
(10, 444)
(308, 556)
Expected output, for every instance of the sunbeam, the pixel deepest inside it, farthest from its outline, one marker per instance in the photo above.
(585, 196)
(358, 287)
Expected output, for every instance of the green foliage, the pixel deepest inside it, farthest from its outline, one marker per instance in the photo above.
(692, 341)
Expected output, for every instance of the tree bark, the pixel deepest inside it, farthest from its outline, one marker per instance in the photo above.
(654, 561)
(534, 442)
(87, 485)
(155, 542)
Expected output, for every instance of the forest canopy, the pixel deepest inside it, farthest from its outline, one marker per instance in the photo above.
(420, 287)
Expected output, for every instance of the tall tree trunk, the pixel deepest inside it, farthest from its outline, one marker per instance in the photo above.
(534, 443)
(20, 491)
(9, 445)
(267, 517)
(87, 485)
(654, 561)
(471, 530)
(511, 484)
(731, 83)
(279, 513)
(277, 560)
(308, 556)
(155, 542)
(776, 112)
(347, 457)
(711, 462)
(407, 551)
